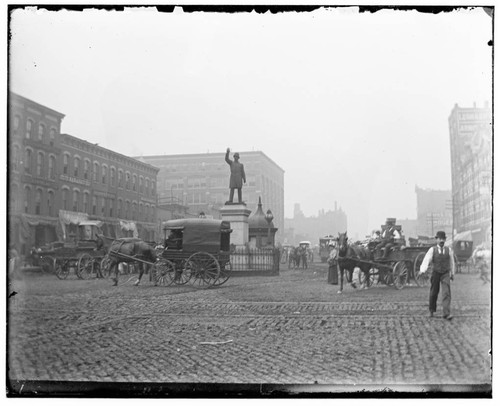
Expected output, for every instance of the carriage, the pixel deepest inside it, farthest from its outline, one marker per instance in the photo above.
(463, 249)
(80, 255)
(197, 251)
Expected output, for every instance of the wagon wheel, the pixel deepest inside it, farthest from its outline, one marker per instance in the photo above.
(205, 269)
(85, 267)
(47, 264)
(61, 268)
(164, 271)
(368, 280)
(386, 276)
(183, 273)
(400, 274)
(225, 273)
(423, 279)
(104, 266)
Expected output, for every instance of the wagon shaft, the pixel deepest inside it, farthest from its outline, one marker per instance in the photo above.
(132, 258)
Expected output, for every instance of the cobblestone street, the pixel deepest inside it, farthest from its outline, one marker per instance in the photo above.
(288, 329)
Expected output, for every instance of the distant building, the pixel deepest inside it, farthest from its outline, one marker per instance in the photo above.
(313, 228)
(201, 183)
(55, 180)
(434, 212)
(471, 171)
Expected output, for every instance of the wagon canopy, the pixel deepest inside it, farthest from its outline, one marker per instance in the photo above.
(200, 234)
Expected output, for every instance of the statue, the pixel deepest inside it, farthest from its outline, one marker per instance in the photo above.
(237, 176)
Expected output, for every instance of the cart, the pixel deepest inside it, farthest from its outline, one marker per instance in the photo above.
(197, 251)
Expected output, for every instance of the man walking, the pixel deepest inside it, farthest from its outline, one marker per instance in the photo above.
(237, 176)
(443, 270)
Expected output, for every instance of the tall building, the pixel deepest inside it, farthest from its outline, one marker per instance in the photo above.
(201, 182)
(434, 212)
(55, 180)
(471, 171)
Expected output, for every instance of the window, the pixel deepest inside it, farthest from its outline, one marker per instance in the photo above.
(104, 174)
(141, 185)
(127, 209)
(94, 205)
(65, 163)
(65, 199)
(39, 164)
(15, 158)
(52, 166)
(50, 203)
(103, 206)
(134, 181)
(134, 211)
(147, 186)
(76, 167)
(41, 132)
(29, 128)
(27, 161)
(111, 204)
(52, 136)
(112, 176)
(38, 202)
(120, 178)
(27, 198)
(140, 212)
(153, 188)
(17, 121)
(76, 198)
(119, 209)
(86, 169)
(127, 180)
(96, 171)
(85, 202)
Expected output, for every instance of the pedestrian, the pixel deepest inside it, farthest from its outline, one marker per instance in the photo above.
(333, 275)
(440, 258)
(14, 260)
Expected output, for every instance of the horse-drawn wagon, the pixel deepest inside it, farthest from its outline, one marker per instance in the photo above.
(197, 251)
(78, 254)
(395, 269)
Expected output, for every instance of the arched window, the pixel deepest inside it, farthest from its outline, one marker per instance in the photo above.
(134, 182)
(65, 164)
(96, 171)
(13, 198)
(147, 186)
(103, 206)
(120, 178)
(39, 164)
(38, 201)
(127, 209)
(15, 158)
(76, 200)
(86, 169)
(94, 205)
(76, 167)
(127, 180)
(104, 174)
(52, 136)
(112, 176)
(134, 211)
(50, 203)
(111, 205)
(141, 185)
(52, 167)
(86, 203)
(29, 129)
(27, 199)
(41, 132)
(27, 161)
(65, 197)
(140, 212)
(119, 208)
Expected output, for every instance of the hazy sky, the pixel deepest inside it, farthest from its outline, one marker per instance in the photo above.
(353, 106)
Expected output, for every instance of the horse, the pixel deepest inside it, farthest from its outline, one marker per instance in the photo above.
(350, 256)
(293, 258)
(131, 247)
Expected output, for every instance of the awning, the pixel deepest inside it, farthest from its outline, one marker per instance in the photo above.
(72, 217)
(96, 223)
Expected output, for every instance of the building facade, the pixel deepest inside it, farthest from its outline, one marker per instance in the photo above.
(471, 171)
(201, 182)
(434, 212)
(300, 227)
(55, 180)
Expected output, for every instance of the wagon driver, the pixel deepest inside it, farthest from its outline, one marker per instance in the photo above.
(443, 269)
(237, 176)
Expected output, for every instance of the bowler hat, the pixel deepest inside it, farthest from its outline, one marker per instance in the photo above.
(441, 234)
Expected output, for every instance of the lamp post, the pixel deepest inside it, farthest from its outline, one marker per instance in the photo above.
(269, 218)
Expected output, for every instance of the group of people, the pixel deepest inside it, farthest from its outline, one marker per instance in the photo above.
(391, 237)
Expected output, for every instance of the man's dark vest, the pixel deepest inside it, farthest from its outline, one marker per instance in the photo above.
(441, 262)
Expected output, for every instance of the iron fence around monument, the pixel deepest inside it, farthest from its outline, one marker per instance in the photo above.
(255, 261)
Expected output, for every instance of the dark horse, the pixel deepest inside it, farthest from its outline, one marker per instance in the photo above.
(349, 257)
(133, 248)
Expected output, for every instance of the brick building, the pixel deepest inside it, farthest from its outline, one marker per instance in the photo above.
(55, 180)
(471, 170)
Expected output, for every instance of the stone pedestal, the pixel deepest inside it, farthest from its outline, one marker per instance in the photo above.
(237, 215)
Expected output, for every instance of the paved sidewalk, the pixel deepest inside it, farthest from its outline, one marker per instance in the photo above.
(288, 329)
